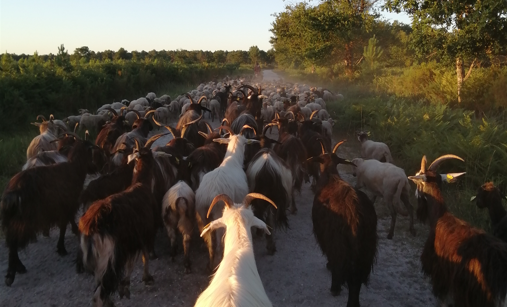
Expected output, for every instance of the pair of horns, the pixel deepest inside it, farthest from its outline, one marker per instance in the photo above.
(246, 202)
(228, 129)
(436, 163)
(335, 148)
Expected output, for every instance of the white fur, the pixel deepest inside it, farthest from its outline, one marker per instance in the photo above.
(229, 178)
(375, 150)
(236, 281)
(102, 253)
(35, 160)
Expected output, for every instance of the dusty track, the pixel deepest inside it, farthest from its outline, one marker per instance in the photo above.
(295, 276)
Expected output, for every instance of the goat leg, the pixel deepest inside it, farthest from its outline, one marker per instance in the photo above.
(75, 229)
(270, 245)
(60, 246)
(186, 247)
(15, 265)
(171, 233)
(147, 278)
(393, 220)
(124, 289)
(336, 280)
(354, 288)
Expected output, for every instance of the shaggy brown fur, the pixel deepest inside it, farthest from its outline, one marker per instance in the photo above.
(345, 226)
(463, 262)
(128, 218)
(42, 197)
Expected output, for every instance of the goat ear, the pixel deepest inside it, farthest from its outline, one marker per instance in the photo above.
(222, 140)
(451, 177)
(473, 198)
(417, 178)
(133, 156)
(212, 226)
(260, 224)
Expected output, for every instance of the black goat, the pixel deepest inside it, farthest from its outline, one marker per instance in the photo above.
(489, 196)
(41, 197)
(464, 263)
(345, 226)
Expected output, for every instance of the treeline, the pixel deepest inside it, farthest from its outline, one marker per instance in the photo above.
(63, 83)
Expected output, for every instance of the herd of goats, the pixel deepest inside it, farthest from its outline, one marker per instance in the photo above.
(226, 180)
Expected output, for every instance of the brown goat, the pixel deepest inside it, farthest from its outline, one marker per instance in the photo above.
(345, 226)
(464, 263)
(39, 198)
(115, 230)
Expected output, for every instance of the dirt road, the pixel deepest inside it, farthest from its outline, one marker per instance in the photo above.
(295, 276)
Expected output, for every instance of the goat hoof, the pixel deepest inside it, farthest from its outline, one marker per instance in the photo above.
(9, 279)
(148, 280)
(62, 251)
(390, 236)
(20, 268)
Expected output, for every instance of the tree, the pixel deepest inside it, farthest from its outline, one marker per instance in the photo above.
(219, 56)
(82, 52)
(458, 31)
(62, 58)
(328, 33)
(254, 54)
(121, 54)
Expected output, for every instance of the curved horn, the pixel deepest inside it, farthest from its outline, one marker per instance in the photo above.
(122, 110)
(41, 116)
(135, 111)
(222, 197)
(51, 117)
(152, 140)
(247, 127)
(254, 90)
(75, 127)
(226, 128)
(172, 130)
(290, 112)
(189, 97)
(112, 111)
(251, 196)
(201, 99)
(210, 129)
(313, 113)
(267, 126)
(277, 115)
(433, 166)
(136, 148)
(335, 148)
(87, 135)
(225, 120)
(322, 147)
(193, 122)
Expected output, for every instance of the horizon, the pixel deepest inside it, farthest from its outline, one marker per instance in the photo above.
(199, 26)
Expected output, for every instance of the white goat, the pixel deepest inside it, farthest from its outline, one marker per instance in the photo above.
(229, 178)
(178, 212)
(236, 281)
(389, 182)
(373, 150)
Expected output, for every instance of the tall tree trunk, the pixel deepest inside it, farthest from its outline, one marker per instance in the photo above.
(349, 59)
(460, 75)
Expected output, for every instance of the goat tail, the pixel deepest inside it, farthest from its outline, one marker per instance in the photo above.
(98, 253)
(397, 203)
(10, 206)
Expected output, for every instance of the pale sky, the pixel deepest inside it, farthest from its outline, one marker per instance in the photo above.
(27, 26)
